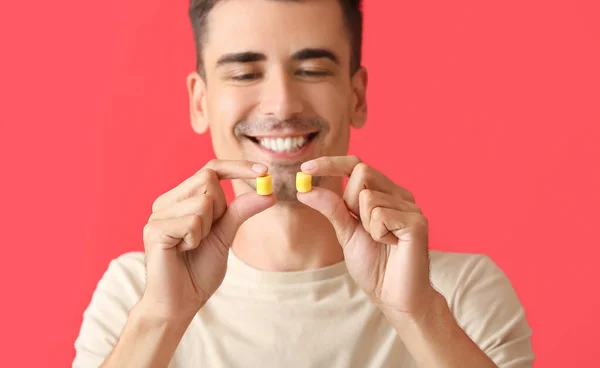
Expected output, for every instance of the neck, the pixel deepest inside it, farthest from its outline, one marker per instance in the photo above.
(287, 237)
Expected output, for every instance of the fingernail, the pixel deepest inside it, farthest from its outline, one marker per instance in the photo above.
(308, 166)
(259, 168)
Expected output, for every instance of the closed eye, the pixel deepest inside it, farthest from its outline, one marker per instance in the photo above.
(312, 73)
(245, 77)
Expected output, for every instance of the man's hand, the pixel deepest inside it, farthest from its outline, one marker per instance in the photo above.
(386, 251)
(188, 236)
(386, 241)
(187, 241)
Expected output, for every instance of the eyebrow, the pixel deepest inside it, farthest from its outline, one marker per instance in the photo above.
(306, 54)
(241, 57)
(251, 56)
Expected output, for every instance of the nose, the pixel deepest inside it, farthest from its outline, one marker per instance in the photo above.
(280, 97)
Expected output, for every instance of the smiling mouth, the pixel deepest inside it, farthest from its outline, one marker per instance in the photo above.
(284, 144)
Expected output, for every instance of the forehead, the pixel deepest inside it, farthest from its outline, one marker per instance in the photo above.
(275, 28)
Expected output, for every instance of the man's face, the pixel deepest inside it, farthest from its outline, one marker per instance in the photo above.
(278, 88)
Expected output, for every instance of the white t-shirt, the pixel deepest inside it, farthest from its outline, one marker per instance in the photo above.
(314, 318)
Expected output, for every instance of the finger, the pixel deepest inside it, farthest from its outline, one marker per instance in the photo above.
(240, 209)
(168, 233)
(361, 175)
(207, 179)
(331, 166)
(236, 169)
(333, 207)
(214, 189)
(391, 226)
(349, 166)
(370, 199)
(365, 177)
(200, 205)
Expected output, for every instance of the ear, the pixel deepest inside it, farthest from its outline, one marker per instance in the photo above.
(359, 98)
(197, 96)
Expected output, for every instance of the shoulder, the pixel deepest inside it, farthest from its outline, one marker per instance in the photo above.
(122, 283)
(466, 275)
(132, 263)
(118, 290)
(126, 274)
(466, 279)
(450, 271)
(484, 303)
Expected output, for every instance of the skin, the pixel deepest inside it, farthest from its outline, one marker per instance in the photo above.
(373, 223)
(283, 95)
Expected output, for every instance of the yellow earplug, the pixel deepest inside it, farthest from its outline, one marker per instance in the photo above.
(264, 185)
(303, 182)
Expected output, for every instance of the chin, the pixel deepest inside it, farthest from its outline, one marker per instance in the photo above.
(285, 191)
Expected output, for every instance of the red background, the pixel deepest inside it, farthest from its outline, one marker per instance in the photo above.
(487, 111)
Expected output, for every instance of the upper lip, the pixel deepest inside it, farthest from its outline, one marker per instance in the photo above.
(281, 134)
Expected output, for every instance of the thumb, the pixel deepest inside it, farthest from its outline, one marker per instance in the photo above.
(239, 210)
(332, 206)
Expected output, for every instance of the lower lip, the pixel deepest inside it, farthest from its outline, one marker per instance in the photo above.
(284, 154)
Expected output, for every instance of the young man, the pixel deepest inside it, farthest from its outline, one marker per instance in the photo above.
(336, 277)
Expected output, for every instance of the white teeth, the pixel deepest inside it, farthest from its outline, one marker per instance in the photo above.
(286, 144)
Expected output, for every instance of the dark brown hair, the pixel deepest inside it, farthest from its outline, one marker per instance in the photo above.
(199, 9)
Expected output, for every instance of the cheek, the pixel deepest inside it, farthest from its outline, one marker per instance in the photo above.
(226, 107)
(328, 96)
(333, 103)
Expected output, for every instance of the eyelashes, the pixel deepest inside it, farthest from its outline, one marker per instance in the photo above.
(305, 73)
